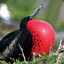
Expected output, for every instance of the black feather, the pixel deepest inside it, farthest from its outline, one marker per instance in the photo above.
(25, 40)
(21, 36)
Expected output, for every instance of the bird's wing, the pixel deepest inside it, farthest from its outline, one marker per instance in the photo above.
(24, 38)
(7, 39)
(25, 41)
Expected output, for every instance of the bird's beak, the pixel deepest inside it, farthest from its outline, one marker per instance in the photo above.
(37, 10)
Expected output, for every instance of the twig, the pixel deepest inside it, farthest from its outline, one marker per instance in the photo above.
(22, 52)
(37, 54)
(34, 54)
(59, 52)
(60, 47)
(50, 49)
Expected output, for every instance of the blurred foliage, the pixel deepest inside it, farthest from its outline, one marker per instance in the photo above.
(60, 26)
(53, 11)
(24, 8)
(21, 8)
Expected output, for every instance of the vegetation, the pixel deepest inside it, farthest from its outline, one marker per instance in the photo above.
(52, 59)
(23, 8)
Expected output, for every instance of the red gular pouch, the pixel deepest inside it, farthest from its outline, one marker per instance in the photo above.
(43, 35)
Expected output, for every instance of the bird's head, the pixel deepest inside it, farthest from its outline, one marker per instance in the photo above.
(26, 19)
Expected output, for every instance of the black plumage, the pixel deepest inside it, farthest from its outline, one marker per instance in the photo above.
(9, 44)
(8, 38)
(22, 37)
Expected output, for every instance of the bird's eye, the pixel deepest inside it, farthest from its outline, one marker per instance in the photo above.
(25, 19)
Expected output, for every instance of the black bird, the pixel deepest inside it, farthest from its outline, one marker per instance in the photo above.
(9, 44)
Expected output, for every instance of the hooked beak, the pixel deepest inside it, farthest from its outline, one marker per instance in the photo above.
(37, 10)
